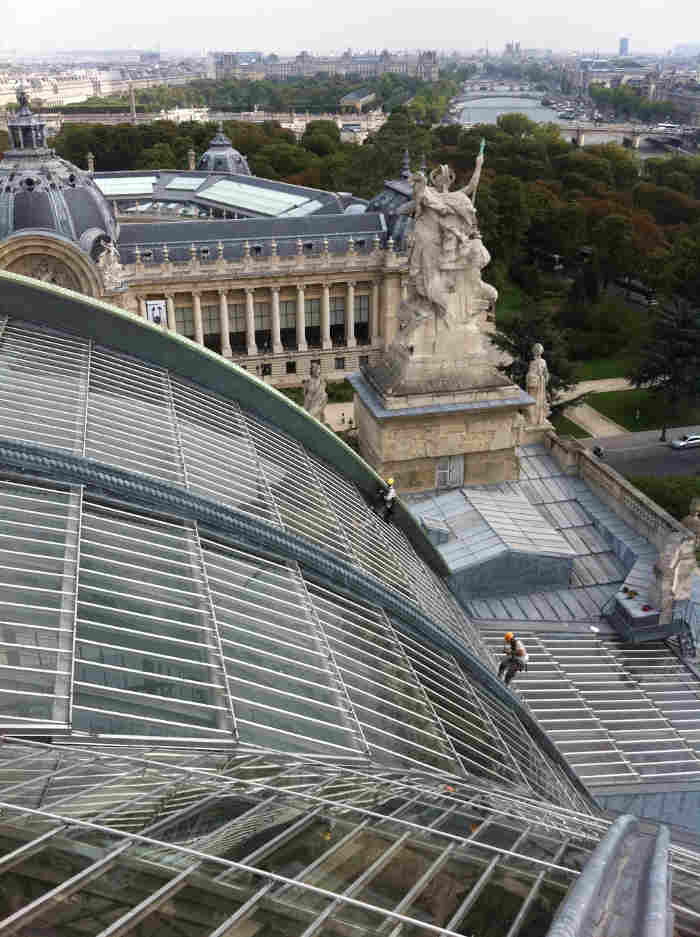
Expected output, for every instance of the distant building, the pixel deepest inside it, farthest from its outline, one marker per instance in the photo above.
(356, 100)
(236, 65)
(624, 46)
(149, 58)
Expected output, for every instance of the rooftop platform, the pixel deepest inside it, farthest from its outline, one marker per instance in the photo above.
(607, 553)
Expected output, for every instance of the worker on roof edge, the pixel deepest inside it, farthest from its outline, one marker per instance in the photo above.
(515, 657)
(386, 495)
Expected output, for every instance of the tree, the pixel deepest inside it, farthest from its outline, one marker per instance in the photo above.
(516, 125)
(529, 325)
(613, 239)
(669, 365)
(160, 156)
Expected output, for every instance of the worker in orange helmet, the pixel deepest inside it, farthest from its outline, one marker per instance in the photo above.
(515, 657)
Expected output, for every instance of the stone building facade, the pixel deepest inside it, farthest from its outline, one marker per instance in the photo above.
(274, 315)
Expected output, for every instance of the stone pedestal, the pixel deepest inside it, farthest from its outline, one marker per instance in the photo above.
(406, 437)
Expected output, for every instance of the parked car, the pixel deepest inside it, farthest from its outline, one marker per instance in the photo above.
(685, 442)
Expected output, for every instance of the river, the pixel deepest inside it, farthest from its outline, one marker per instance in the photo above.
(487, 110)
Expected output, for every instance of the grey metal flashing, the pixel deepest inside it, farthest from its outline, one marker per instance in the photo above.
(370, 399)
(582, 901)
(171, 499)
(249, 229)
(67, 311)
(655, 915)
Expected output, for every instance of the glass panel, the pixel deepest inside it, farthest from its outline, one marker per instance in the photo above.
(146, 644)
(42, 386)
(129, 420)
(275, 656)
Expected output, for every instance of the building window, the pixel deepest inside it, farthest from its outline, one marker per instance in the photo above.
(362, 308)
(262, 316)
(450, 471)
(340, 364)
(288, 314)
(211, 326)
(312, 322)
(288, 323)
(204, 251)
(337, 310)
(262, 326)
(312, 312)
(266, 370)
(147, 255)
(184, 321)
(291, 367)
(337, 320)
(364, 361)
(236, 318)
(257, 250)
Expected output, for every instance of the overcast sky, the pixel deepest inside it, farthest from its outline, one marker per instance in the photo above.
(287, 26)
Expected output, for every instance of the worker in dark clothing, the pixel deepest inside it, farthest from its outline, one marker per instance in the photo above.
(515, 657)
(386, 496)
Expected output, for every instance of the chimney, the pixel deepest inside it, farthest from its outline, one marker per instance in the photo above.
(91, 163)
(191, 155)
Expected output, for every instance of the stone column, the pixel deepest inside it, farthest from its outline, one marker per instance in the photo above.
(170, 302)
(142, 307)
(326, 342)
(275, 321)
(250, 321)
(350, 315)
(197, 313)
(301, 319)
(224, 325)
(374, 330)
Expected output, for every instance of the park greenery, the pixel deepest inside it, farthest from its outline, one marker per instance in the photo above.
(316, 95)
(626, 102)
(673, 492)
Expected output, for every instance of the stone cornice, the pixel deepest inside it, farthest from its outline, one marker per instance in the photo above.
(359, 266)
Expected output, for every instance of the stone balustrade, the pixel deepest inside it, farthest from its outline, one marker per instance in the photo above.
(634, 507)
(675, 566)
(213, 265)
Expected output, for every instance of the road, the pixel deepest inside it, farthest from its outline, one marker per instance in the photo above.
(643, 454)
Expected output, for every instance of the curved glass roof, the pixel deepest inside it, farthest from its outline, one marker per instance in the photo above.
(234, 700)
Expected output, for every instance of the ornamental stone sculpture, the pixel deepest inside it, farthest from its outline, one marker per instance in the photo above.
(110, 267)
(536, 385)
(443, 340)
(315, 396)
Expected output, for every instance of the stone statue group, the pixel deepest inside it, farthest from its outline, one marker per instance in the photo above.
(444, 289)
(445, 239)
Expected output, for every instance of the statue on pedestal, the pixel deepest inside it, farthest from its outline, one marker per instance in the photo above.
(315, 396)
(536, 385)
(110, 267)
(445, 222)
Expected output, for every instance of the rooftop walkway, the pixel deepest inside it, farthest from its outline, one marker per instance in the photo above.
(608, 552)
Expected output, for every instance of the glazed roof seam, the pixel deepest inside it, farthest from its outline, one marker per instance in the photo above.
(244, 530)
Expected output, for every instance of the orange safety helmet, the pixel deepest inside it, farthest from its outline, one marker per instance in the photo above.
(508, 636)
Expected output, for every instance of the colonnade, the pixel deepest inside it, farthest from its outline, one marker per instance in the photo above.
(271, 294)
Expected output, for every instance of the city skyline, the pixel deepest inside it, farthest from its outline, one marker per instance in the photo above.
(290, 26)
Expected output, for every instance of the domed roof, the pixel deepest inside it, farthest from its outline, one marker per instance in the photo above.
(40, 192)
(223, 157)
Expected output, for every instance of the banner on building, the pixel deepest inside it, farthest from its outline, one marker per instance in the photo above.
(155, 311)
